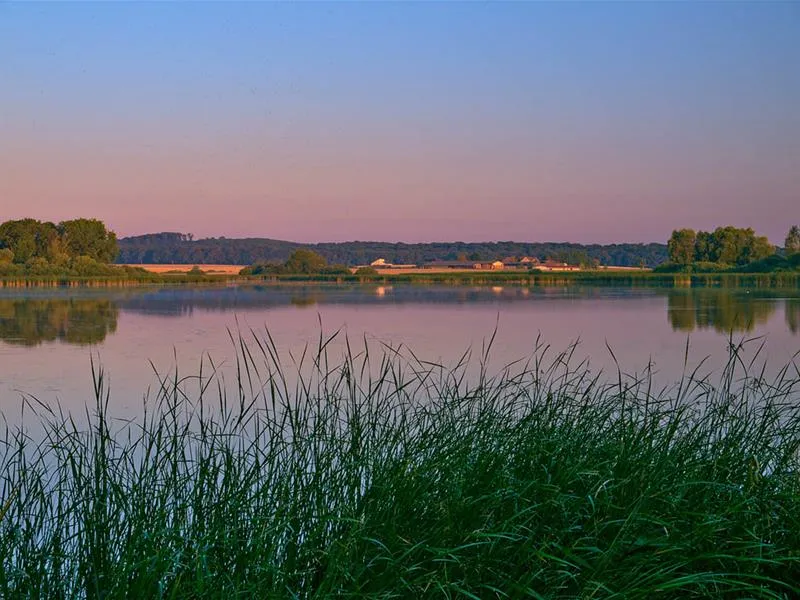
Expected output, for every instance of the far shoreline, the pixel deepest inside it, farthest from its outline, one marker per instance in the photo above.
(202, 275)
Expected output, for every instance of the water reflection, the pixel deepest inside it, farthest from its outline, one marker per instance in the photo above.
(723, 310)
(32, 321)
(178, 302)
(304, 300)
(793, 314)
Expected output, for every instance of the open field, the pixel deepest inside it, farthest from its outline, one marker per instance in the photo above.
(209, 269)
(380, 476)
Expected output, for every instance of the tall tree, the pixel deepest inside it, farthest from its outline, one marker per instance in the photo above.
(726, 242)
(792, 243)
(704, 250)
(89, 237)
(27, 238)
(305, 261)
(681, 246)
(758, 248)
(735, 246)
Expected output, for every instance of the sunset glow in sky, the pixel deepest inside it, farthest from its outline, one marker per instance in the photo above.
(584, 122)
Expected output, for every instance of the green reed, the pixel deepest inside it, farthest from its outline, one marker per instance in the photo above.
(378, 475)
(589, 277)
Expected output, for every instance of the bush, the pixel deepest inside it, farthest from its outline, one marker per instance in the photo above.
(695, 267)
(11, 270)
(85, 266)
(38, 267)
(772, 264)
(335, 270)
(263, 269)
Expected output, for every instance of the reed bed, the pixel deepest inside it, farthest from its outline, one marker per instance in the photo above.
(378, 475)
(589, 277)
(112, 281)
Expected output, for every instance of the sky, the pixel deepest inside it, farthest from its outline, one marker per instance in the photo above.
(587, 122)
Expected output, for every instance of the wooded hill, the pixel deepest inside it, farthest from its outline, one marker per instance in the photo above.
(178, 248)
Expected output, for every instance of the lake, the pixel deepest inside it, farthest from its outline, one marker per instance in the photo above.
(48, 337)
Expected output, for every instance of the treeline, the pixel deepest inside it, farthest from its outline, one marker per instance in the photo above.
(178, 248)
(730, 248)
(75, 247)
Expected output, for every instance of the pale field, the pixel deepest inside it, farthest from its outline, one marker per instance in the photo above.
(212, 269)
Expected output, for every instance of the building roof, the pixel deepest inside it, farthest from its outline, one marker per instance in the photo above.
(454, 263)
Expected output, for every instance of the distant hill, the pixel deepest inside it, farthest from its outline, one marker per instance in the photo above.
(172, 247)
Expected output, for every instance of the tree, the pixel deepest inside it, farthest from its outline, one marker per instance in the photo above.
(731, 246)
(27, 238)
(681, 246)
(305, 261)
(792, 243)
(89, 237)
(726, 242)
(6, 256)
(757, 248)
(704, 250)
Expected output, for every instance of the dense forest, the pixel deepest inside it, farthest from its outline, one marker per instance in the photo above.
(178, 248)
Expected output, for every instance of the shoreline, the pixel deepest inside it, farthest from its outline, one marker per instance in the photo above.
(645, 279)
(179, 275)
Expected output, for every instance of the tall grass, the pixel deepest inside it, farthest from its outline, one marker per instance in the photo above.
(380, 475)
(129, 278)
(589, 277)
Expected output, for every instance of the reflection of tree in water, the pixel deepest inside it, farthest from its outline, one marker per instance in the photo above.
(304, 300)
(30, 322)
(792, 309)
(680, 308)
(724, 311)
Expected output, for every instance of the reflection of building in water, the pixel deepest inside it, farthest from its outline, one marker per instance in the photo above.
(724, 310)
(32, 321)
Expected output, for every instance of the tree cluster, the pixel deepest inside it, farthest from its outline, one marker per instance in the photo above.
(724, 247)
(178, 248)
(300, 262)
(27, 240)
(791, 245)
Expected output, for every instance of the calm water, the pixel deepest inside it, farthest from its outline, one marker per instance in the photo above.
(48, 337)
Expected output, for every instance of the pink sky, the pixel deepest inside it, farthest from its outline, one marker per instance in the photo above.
(418, 122)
